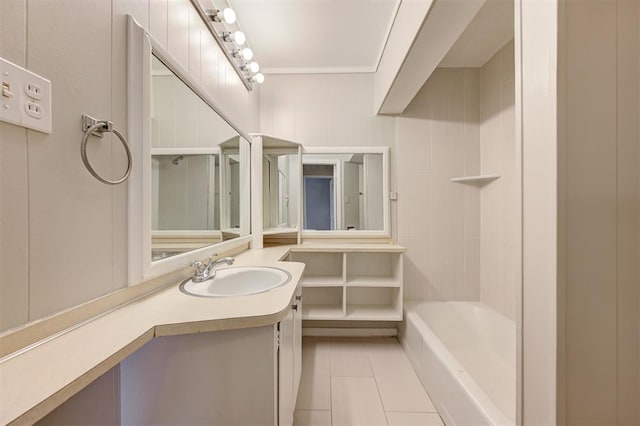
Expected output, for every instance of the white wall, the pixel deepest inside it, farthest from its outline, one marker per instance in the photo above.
(63, 234)
(374, 205)
(323, 110)
(581, 212)
(500, 270)
(599, 219)
(179, 118)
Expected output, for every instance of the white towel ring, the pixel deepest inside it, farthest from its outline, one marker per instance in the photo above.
(97, 127)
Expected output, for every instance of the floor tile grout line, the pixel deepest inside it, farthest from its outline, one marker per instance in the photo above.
(375, 379)
(331, 351)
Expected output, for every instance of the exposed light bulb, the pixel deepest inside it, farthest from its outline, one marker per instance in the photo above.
(239, 38)
(229, 15)
(259, 78)
(254, 67)
(247, 54)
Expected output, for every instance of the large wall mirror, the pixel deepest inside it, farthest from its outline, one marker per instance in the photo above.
(345, 191)
(193, 175)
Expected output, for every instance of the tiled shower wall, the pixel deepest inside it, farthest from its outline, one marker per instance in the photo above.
(439, 220)
(463, 239)
(499, 200)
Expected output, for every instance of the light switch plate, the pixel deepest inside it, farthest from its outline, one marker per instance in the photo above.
(25, 99)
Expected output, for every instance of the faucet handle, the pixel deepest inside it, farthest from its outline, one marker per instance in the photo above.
(199, 267)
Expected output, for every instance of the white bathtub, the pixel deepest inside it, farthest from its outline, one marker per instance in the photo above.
(465, 355)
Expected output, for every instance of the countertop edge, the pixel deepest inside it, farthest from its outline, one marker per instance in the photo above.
(48, 405)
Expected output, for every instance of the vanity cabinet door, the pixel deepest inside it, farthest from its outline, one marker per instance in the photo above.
(286, 395)
(297, 343)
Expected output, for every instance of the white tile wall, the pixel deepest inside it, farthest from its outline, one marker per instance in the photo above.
(438, 220)
(462, 239)
(499, 200)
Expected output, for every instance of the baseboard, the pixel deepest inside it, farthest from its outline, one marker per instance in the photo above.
(349, 332)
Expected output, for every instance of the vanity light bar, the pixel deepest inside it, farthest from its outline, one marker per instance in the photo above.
(241, 58)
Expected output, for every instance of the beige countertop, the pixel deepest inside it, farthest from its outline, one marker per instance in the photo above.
(36, 381)
(348, 247)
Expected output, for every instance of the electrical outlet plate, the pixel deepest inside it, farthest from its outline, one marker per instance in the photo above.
(25, 99)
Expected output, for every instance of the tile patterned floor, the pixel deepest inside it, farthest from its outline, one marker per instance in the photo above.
(360, 382)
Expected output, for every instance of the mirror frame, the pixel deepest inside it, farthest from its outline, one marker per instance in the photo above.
(141, 47)
(385, 232)
(266, 144)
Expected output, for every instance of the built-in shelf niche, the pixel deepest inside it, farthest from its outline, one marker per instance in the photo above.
(322, 269)
(374, 304)
(358, 286)
(323, 303)
(374, 269)
(475, 180)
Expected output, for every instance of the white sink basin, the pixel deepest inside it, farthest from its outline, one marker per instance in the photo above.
(238, 281)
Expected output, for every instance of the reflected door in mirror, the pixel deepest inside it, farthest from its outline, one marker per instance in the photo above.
(280, 177)
(343, 192)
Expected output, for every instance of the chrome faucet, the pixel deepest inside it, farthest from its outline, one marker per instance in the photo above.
(208, 271)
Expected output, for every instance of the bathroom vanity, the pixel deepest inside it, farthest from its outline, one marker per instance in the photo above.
(244, 376)
(237, 336)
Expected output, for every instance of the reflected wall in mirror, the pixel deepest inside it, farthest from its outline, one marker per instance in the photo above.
(280, 181)
(233, 174)
(195, 158)
(185, 202)
(346, 191)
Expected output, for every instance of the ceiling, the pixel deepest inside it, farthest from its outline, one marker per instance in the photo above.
(488, 32)
(316, 36)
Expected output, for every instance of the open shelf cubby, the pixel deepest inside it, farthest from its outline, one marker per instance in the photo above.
(374, 303)
(324, 303)
(322, 269)
(352, 285)
(374, 269)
